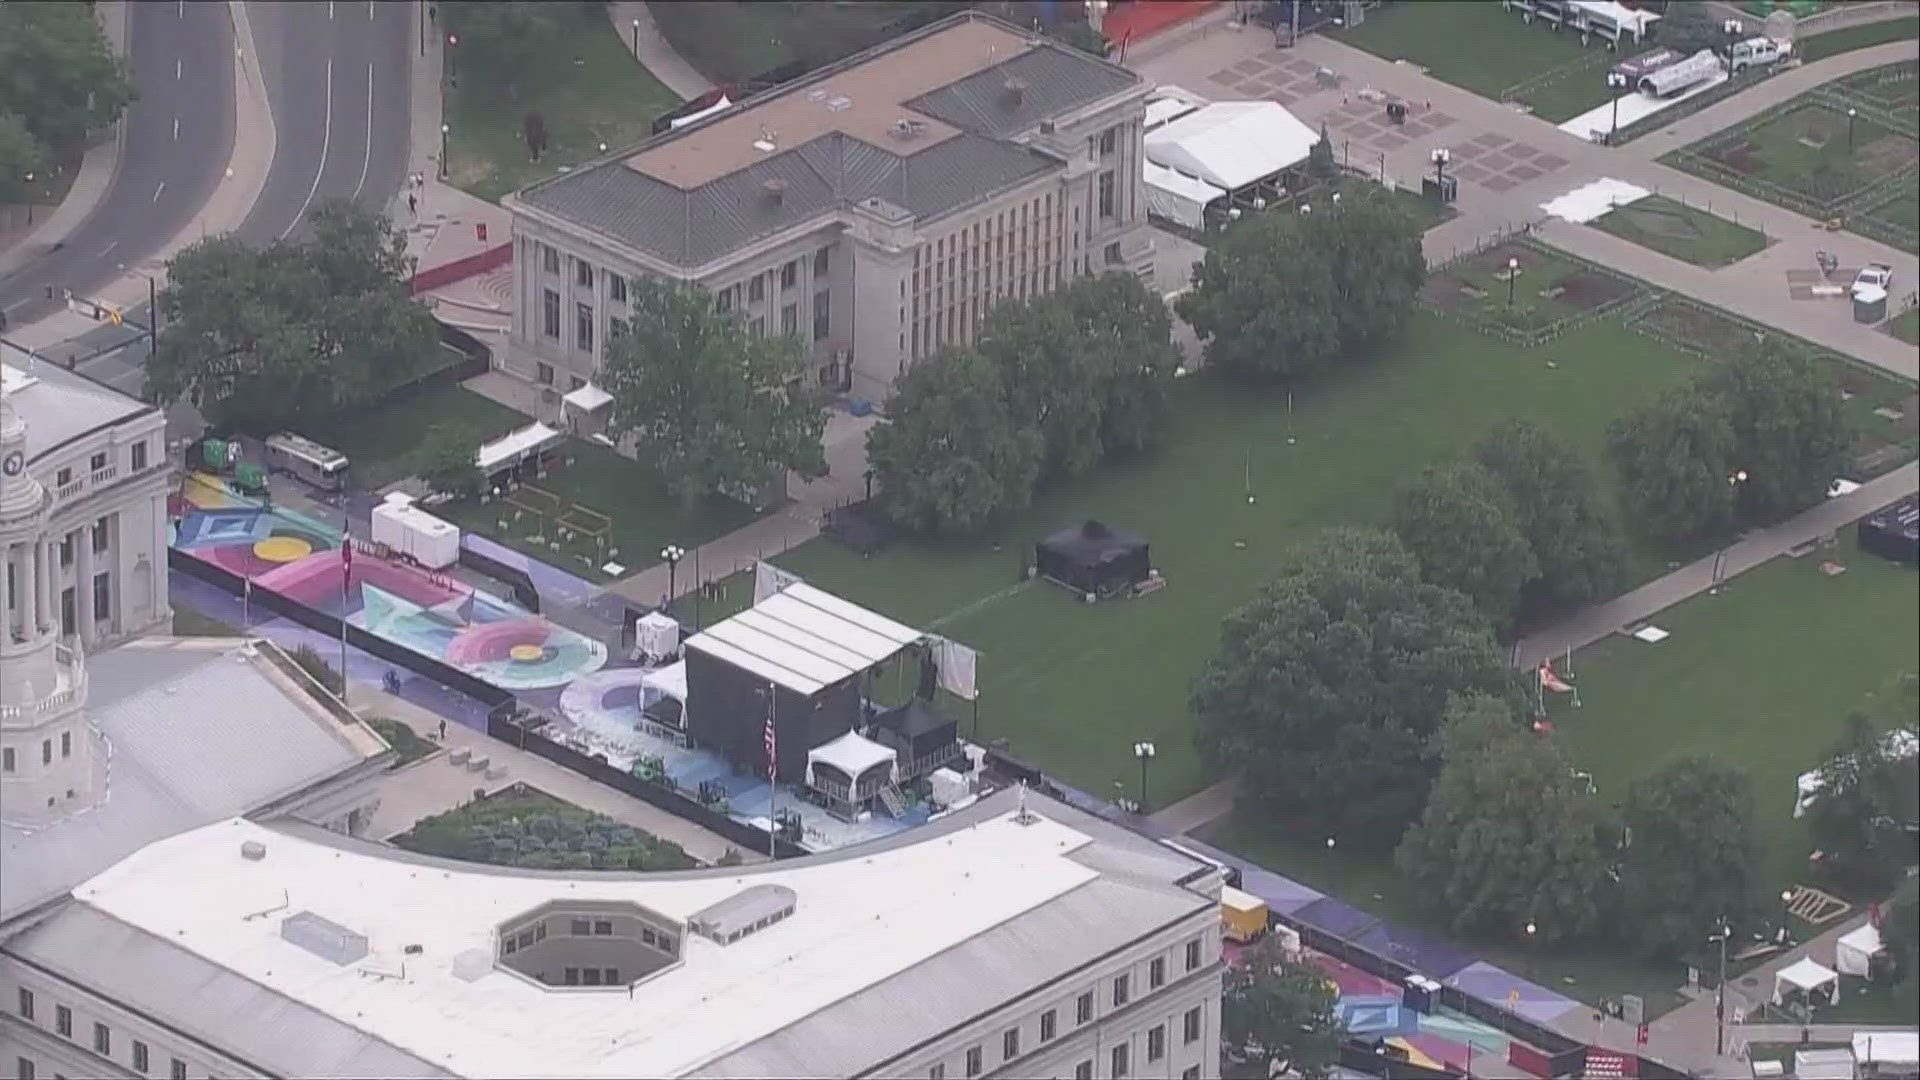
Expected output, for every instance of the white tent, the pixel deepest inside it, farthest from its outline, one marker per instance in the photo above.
(1898, 744)
(515, 447)
(1853, 955)
(852, 754)
(1231, 144)
(1806, 976)
(670, 680)
(1833, 1064)
(1887, 1053)
(1177, 197)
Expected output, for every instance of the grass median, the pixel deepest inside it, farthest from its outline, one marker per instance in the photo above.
(1682, 232)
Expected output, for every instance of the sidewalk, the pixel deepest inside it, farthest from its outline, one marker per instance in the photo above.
(435, 784)
(633, 21)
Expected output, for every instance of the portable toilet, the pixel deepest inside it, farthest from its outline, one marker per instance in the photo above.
(1869, 304)
(1243, 915)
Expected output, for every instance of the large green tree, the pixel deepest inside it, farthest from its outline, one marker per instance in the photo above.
(952, 458)
(1127, 331)
(1263, 302)
(1371, 246)
(508, 32)
(1675, 458)
(21, 156)
(57, 75)
(1791, 434)
(712, 405)
(261, 338)
(1689, 856)
(1462, 530)
(1865, 799)
(1557, 508)
(1331, 680)
(1510, 836)
(1692, 25)
(1280, 1015)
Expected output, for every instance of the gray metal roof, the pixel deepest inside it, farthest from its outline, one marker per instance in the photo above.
(197, 735)
(276, 1034)
(1053, 81)
(59, 405)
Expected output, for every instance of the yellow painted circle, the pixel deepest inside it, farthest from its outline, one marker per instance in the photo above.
(282, 548)
(526, 654)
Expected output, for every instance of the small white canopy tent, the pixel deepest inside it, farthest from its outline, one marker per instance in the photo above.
(1806, 977)
(1831, 1064)
(671, 680)
(1179, 198)
(1853, 955)
(852, 754)
(1887, 1053)
(1232, 144)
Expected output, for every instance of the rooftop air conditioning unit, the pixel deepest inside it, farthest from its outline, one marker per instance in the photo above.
(908, 128)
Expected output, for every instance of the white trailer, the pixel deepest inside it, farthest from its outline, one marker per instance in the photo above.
(413, 532)
(1670, 80)
(1757, 52)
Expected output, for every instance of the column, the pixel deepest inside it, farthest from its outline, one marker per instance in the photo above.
(32, 586)
(50, 583)
(20, 599)
(83, 584)
(159, 556)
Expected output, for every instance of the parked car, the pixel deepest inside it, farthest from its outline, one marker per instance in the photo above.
(1873, 274)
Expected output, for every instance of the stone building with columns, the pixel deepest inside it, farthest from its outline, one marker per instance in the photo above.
(100, 570)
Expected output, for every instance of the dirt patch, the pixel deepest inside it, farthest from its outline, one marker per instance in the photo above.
(1857, 382)
(1885, 156)
(1737, 156)
(1699, 328)
(1586, 290)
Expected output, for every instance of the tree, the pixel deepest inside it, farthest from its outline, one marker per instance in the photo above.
(534, 127)
(1082, 36)
(267, 338)
(1510, 837)
(1333, 677)
(1900, 927)
(1790, 432)
(1126, 333)
(1689, 855)
(1463, 532)
(1557, 509)
(57, 74)
(1320, 161)
(1857, 815)
(714, 406)
(315, 665)
(952, 458)
(1692, 25)
(1280, 1015)
(509, 32)
(1675, 457)
(447, 463)
(21, 156)
(1263, 302)
(1371, 246)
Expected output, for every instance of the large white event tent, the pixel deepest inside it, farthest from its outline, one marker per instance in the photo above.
(1808, 977)
(1236, 147)
(1853, 953)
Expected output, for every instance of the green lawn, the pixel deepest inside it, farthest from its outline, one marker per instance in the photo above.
(1684, 232)
(586, 85)
(732, 41)
(1763, 674)
(1072, 685)
(385, 442)
(407, 746)
(1480, 46)
(190, 623)
(1906, 327)
(1820, 46)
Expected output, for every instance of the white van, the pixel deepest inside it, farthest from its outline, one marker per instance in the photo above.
(297, 456)
(1757, 52)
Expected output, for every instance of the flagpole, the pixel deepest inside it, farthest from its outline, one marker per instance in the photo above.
(773, 779)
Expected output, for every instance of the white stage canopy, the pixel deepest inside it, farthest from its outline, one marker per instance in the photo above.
(1806, 976)
(1895, 1049)
(586, 399)
(1617, 18)
(670, 680)
(852, 754)
(1853, 953)
(1231, 144)
(804, 639)
(1177, 197)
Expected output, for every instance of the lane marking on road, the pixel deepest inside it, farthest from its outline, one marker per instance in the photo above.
(181, 9)
(326, 139)
(329, 9)
(176, 70)
(367, 160)
(176, 129)
(109, 247)
(158, 190)
(369, 10)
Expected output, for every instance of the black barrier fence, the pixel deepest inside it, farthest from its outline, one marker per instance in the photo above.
(1374, 1058)
(512, 577)
(673, 802)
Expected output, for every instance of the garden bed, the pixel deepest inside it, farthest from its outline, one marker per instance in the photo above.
(1682, 232)
(523, 826)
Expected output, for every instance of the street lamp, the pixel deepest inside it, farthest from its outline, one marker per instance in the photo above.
(1734, 480)
(29, 199)
(453, 59)
(1617, 82)
(671, 555)
(1531, 930)
(1144, 751)
(1851, 113)
(1329, 843)
(444, 128)
(153, 311)
(636, 37)
(1513, 274)
(1720, 992)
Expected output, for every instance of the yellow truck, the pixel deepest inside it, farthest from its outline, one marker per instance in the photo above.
(1243, 916)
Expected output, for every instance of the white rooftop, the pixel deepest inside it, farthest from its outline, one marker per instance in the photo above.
(58, 405)
(804, 639)
(862, 918)
(1231, 144)
(587, 398)
(514, 445)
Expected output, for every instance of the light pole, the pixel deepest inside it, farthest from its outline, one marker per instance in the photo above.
(1720, 992)
(423, 26)
(1513, 274)
(1851, 113)
(1531, 930)
(29, 199)
(671, 555)
(636, 38)
(453, 59)
(1734, 480)
(444, 128)
(1617, 82)
(153, 311)
(1144, 751)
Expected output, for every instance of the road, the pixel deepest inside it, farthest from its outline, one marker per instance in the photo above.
(178, 137)
(338, 85)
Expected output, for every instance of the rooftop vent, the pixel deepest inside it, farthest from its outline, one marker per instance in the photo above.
(908, 128)
(839, 103)
(753, 908)
(324, 938)
(253, 850)
(776, 189)
(1046, 127)
(1016, 90)
(766, 143)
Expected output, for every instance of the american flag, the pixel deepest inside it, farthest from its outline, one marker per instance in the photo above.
(772, 758)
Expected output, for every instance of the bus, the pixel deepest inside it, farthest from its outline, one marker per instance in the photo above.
(304, 459)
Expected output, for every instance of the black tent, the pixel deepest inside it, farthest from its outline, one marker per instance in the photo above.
(1093, 558)
(1893, 532)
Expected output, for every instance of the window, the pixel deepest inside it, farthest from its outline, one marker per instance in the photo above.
(1113, 253)
(1049, 1025)
(179, 1069)
(550, 258)
(973, 1061)
(756, 289)
(1190, 1026)
(790, 274)
(24, 1066)
(723, 300)
(591, 976)
(66, 550)
(1191, 1072)
(1083, 1008)
(102, 1040)
(63, 1020)
(543, 373)
(1156, 1042)
(6, 759)
(613, 976)
(63, 477)
(579, 927)
(647, 935)
(602, 928)
(1083, 1071)
(46, 751)
(66, 744)
(1156, 973)
(1193, 954)
(583, 327)
(790, 319)
(97, 462)
(583, 273)
(1106, 194)
(937, 1071)
(139, 456)
(103, 595)
(617, 328)
(508, 947)
(525, 939)
(1119, 1062)
(139, 1056)
(571, 976)
(550, 313)
(616, 288)
(822, 262)
(1120, 988)
(1010, 1044)
(822, 315)
(26, 1003)
(1108, 139)
(666, 942)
